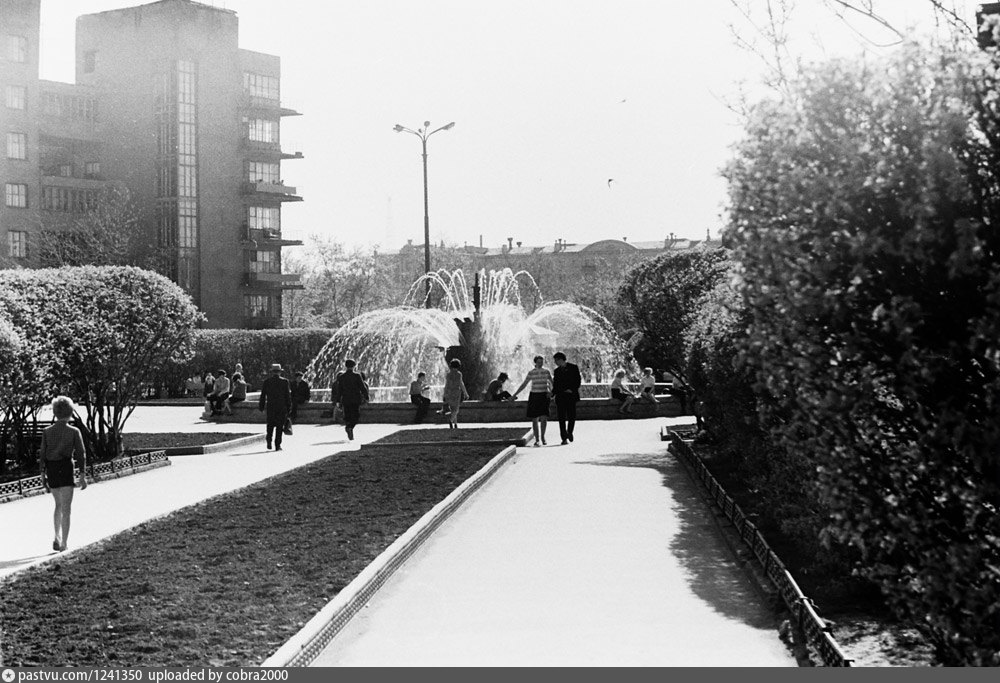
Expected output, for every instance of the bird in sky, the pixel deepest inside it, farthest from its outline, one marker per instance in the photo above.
(610, 180)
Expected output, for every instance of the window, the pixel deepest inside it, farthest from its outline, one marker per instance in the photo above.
(16, 195)
(258, 85)
(92, 170)
(258, 306)
(188, 182)
(262, 130)
(185, 272)
(263, 262)
(263, 172)
(66, 170)
(15, 96)
(16, 48)
(68, 200)
(264, 217)
(17, 244)
(187, 223)
(89, 61)
(17, 146)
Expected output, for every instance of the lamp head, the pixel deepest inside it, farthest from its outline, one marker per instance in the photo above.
(398, 128)
(449, 126)
(427, 124)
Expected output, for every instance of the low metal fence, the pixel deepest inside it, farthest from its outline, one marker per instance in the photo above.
(803, 610)
(10, 490)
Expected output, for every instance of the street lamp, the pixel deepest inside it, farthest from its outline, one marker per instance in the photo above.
(423, 134)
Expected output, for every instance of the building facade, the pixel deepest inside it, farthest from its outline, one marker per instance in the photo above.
(168, 104)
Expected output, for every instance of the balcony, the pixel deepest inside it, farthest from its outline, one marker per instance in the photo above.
(257, 103)
(273, 190)
(49, 180)
(265, 238)
(273, 280)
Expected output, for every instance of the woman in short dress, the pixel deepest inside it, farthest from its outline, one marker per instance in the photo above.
(454, 391)
(61, 451)
(538, 398)
(621, 393)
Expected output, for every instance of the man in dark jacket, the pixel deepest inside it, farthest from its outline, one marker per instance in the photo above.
(300, 396)
(566, 388)
(350, 391)
(276, 397)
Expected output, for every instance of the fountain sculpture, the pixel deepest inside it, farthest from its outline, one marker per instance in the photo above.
(498, 326)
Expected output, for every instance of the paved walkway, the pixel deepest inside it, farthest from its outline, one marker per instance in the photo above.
(595, 553)
(598, 553)
(111, 506)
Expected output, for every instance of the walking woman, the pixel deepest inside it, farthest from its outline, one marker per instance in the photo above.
(454, 391)
(538, 398)
(61, 449)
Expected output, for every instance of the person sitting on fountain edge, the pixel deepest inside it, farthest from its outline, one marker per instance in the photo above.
(350, 391)
(495, 390)
(418, 388)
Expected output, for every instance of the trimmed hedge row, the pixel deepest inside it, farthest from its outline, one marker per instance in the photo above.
(256, 350)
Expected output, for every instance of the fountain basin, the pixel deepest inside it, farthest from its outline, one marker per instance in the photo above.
(398, 412)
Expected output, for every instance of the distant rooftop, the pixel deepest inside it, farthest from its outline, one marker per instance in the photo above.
(191, 3)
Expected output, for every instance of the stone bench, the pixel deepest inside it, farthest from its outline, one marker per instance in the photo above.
(471, 411)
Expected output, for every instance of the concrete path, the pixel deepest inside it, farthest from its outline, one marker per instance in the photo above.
(595, 553)
(598, 553)
(109, 507)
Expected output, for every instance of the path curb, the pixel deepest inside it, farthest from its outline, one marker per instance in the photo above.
(302, 648)
(215, 447)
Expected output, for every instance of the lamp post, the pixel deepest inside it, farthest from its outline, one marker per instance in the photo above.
(423, 134)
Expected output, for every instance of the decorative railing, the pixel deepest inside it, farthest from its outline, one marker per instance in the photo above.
(28, 486)
(803, 610)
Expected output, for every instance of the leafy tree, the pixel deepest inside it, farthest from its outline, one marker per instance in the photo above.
(108, 233)
(664, 296)
(106, 332)
(863, 214)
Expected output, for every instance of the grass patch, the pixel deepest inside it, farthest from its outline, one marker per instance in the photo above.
(462, 434)
(227, 581)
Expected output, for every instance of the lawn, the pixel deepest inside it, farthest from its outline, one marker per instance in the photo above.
(227, 581)
(437, 435)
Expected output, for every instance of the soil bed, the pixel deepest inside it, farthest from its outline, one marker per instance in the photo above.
(141, 443)
(462, 435)
(227, 581)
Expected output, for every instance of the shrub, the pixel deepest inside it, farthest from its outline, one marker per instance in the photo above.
(863, 215)
(104, 332)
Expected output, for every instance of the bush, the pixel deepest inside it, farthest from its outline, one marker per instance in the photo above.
(255, 349)
(863, 215)
(102, 333)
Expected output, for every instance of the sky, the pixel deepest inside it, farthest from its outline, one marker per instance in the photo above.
(551, 99)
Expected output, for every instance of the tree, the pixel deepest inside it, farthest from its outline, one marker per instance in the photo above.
(664, 296)
(108, 233)
(862, 214)
(105, 332)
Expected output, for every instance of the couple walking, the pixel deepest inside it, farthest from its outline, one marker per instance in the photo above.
(563, 385)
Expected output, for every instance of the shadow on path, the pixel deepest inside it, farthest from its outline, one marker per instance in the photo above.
(712, 572)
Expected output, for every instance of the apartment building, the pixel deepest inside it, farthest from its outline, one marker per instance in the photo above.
(168, 104)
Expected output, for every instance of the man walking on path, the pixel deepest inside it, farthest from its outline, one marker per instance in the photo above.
(300, 396)
(566, 388)
(350, 391)
(276, 398)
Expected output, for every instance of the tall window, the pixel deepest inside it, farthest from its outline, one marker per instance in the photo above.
(16, 195)
(264, 217)
(187, 224)
(92, 169)
(262, 130)
(258, 85)
(15, 48)
(17, 244)
(17, 146)
(263, 172)
(15, 96)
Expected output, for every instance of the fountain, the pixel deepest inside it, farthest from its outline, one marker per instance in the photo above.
(498, 326)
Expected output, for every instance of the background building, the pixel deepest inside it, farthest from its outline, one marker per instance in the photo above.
(167, 103)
